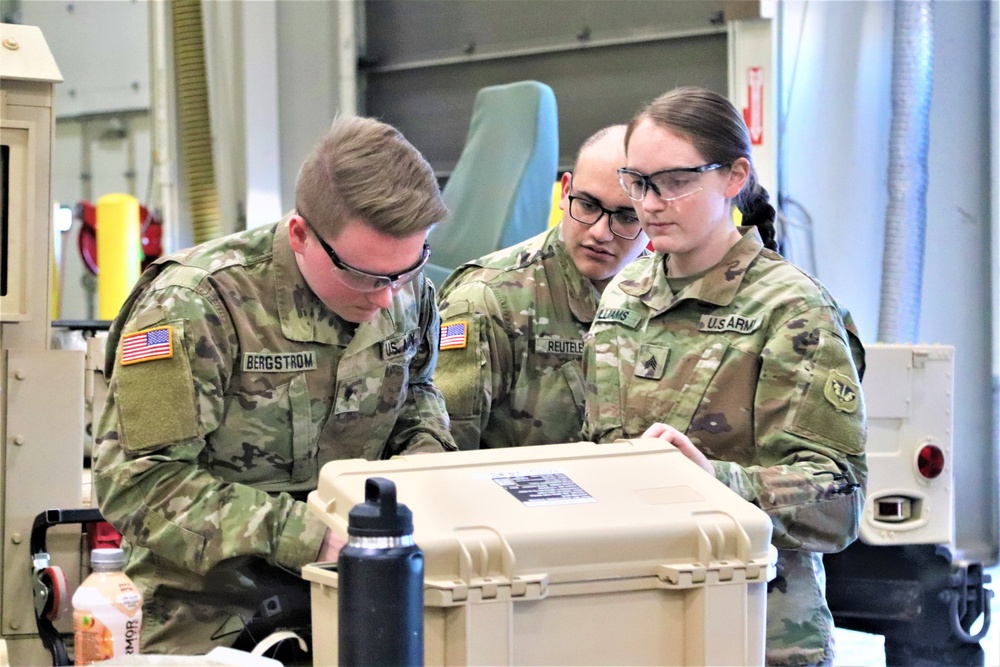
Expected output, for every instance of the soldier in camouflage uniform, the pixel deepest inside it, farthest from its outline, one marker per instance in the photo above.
(743, 361)
(513, 321)
(243, 365)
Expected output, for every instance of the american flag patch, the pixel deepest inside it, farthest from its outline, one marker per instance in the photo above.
(147, 345)
(454, 335)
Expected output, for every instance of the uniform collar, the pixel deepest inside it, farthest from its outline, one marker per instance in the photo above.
(583, 296)
(303, 316)
(717, 286)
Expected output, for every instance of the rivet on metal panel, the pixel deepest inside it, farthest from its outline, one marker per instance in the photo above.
(15, 625)
(16, 538)
(18, 440)
(11, 45)
(19, 374)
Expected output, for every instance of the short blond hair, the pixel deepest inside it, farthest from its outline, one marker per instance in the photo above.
(364, 168)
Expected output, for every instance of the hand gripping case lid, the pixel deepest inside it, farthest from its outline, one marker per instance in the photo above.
(533, 524)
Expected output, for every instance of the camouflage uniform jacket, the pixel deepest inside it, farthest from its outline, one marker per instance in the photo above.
(752, 359)
(518, 380)
(206, 452)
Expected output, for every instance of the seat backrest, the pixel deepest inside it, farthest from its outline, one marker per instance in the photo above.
(500, 192)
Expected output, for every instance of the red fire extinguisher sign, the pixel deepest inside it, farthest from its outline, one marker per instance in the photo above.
(753, 113)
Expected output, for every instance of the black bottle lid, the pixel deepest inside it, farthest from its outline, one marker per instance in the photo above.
(380, 515)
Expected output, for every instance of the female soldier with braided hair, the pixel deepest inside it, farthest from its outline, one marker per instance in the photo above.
(721, 347)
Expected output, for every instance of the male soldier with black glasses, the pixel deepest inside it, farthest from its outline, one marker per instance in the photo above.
(513, 321)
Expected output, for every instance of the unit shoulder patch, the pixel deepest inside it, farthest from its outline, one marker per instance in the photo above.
(454, 335)
(841, 392)
(147, 345)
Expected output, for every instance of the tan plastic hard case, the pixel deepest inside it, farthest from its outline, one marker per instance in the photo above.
(576, 554)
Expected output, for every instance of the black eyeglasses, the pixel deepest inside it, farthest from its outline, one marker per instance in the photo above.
(668, 185)
(623, 224)
(364, 281)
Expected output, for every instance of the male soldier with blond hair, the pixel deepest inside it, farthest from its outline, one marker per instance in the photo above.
(243, 365)
(513, 321)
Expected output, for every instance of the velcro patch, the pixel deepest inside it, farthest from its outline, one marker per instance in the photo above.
(147, 345)
(566, 346)
(396, 347)
(651, 361)
(841, 392)
(454, 335)
(623, 316)
(737, 323)
(279, 362)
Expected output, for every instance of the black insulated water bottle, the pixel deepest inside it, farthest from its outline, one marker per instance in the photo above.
(381, 583)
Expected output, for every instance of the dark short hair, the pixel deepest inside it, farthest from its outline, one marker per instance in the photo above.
(596, 137)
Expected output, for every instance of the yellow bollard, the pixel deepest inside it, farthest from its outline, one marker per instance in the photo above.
(118, 247)
(556, 214)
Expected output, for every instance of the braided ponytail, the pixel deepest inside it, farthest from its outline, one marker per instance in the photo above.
(753, 202)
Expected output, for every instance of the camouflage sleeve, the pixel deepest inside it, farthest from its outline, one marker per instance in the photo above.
(147, 475)
(422, 424)
(476, 375)
(809, 419)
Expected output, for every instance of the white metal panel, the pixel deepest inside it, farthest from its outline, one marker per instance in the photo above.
(909, 393)
(43, 462)
(25, 54)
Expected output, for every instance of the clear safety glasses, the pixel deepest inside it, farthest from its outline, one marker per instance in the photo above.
(363, 281)
(668, 185)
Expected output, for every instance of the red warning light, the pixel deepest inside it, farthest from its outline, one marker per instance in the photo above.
(930, 461)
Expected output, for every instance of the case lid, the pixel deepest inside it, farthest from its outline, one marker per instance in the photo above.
(527, 517)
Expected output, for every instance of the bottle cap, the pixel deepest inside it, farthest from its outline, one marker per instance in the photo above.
(107, 557)
(380, 515)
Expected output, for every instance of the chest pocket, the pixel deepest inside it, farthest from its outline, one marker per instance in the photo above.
(365, 411)
(267, 437)
(669, 383)
(550, 388)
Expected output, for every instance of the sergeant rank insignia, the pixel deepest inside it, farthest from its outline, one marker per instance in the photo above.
(454, 335)
(147, 345)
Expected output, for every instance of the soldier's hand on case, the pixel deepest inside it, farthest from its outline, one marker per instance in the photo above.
(681, 442)
(329, 551)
